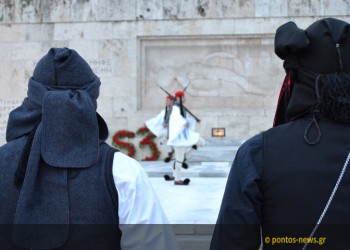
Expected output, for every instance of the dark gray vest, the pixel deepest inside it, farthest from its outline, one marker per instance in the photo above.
(93, 200)
(298, 179)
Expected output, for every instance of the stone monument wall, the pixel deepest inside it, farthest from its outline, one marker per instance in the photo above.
(222, 50)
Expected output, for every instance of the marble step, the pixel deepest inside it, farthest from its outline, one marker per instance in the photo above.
(195, 169)
(214, 154)
(212, 160)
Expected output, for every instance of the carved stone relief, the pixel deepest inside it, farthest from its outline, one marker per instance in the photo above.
(216, 71)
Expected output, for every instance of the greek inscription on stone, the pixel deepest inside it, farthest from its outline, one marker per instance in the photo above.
(101, 67)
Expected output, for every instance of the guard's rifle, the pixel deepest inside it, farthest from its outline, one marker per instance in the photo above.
(173, 97)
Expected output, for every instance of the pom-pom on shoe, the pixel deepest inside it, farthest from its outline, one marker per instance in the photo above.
(169, 178)
(184, 182)
(169, 157)
(184, 164)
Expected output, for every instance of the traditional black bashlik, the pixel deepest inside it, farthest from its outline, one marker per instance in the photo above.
(314, 59)
(64, 131)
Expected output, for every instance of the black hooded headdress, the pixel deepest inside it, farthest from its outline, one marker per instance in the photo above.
(63, 131)
(317, 65)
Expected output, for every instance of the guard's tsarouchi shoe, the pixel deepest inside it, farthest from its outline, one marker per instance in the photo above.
(184, 182)
(169, 157)
(169, 178)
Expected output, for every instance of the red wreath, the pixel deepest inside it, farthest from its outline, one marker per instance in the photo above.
(148, 141)
(124, 145)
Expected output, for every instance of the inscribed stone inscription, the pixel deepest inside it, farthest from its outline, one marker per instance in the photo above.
(101, 67)
(215, 69)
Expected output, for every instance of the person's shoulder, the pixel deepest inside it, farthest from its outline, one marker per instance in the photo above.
(250, 148)
(252, 142)
(126, 167)
(125, 158)
(249, 158)
(280, 132)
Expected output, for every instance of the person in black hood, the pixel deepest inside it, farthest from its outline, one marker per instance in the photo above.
(61, 185)
(289, 186)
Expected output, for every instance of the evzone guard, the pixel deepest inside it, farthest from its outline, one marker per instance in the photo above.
(158, 125)
(182, 137)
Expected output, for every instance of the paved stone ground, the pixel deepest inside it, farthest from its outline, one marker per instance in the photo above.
(196, 169)
(192, 209)
(197, 203)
